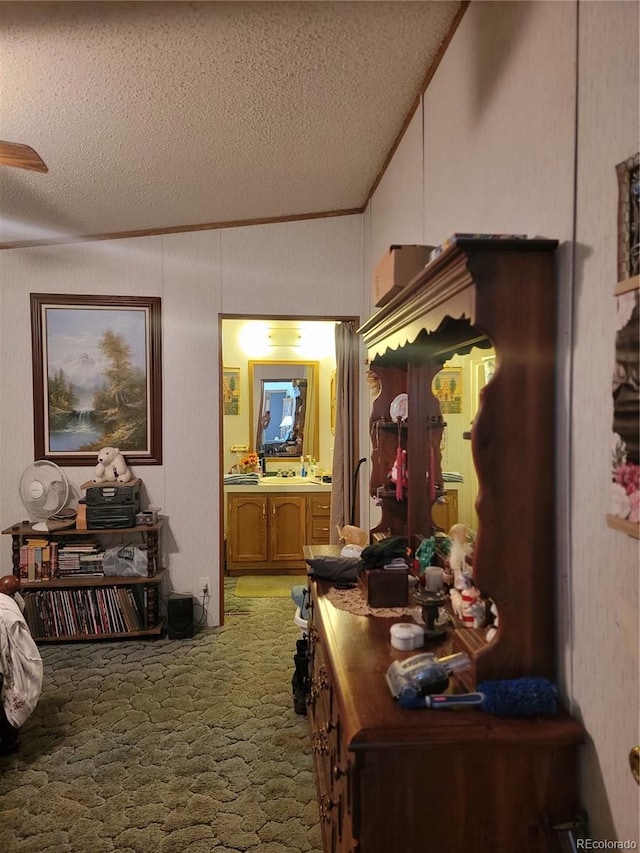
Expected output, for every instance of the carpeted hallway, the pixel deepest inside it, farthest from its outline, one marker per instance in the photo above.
(172, 745)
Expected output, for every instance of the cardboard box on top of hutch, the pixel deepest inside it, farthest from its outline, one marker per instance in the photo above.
(396, 269)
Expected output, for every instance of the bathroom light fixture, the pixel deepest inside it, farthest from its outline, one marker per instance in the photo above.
(284, 337)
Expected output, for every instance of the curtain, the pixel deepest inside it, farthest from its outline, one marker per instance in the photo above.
(345, 450)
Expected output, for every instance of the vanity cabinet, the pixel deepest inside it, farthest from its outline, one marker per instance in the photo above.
(423, 781)
(247, 530)
(444, 513)
(267, 526)
(266, 531)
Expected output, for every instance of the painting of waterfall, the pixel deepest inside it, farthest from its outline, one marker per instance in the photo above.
(96, 377)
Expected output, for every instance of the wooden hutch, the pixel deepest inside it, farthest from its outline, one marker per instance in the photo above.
(420, 781)
(481, 293)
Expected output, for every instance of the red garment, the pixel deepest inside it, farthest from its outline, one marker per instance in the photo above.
(399, 475)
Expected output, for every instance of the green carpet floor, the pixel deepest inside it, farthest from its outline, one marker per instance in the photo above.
(174, 746)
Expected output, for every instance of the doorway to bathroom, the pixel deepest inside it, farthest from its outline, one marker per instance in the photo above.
(288, 346)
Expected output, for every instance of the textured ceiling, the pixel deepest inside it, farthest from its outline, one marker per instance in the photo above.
(155, 116)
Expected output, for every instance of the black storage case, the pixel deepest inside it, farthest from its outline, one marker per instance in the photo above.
(103, 517)
(114, 494)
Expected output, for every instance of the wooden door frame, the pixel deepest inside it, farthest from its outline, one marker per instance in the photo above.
(318, 318)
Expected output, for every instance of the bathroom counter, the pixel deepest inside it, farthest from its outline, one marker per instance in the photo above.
(281, 484)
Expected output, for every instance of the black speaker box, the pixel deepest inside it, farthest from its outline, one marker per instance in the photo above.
(179, 616)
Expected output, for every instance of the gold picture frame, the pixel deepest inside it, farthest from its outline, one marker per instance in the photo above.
(447, 388)
(231, 390)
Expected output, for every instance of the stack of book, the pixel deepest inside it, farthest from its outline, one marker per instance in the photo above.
(38, 559)
(90, 611)
(79, 557)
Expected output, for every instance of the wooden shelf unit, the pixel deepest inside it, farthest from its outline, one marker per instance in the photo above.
(147, 587)
(481, 293)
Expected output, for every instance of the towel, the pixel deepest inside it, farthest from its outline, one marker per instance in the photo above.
(247, 479)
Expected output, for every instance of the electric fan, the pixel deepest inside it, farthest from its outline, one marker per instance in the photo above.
(44, 490)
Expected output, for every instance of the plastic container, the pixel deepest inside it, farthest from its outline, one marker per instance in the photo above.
(301, 623)
(407, 636)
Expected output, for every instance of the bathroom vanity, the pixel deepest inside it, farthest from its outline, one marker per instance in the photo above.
(269, 524)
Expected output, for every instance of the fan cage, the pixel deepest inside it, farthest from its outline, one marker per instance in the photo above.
(44, 489)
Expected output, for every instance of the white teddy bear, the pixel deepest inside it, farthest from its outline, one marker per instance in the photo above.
(111, 466)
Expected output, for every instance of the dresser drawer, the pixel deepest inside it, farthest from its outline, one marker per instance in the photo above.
(332, 767)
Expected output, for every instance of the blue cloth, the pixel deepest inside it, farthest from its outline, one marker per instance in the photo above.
(300, 596)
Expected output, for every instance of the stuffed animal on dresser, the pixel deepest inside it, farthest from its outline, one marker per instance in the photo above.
(111, 467)
(352, 535)
(460, 550)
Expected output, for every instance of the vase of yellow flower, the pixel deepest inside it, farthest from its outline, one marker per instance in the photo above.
(249, 463)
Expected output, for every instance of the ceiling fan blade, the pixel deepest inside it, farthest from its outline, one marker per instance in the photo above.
(22, 156)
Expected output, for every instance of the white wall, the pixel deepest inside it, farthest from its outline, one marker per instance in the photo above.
(312, 267)
(498, 154)
(604, 562)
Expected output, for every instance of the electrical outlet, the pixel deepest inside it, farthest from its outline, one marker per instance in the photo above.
(239, 448)
(205, 586)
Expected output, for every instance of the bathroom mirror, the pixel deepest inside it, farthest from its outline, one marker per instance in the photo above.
(284, 408)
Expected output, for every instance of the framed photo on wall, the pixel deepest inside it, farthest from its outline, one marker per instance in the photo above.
(447, 387)
(97, 377)
(230, 390)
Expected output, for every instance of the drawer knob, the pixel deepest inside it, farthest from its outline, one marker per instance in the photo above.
(326, 805)
(323, 678)
(319, 743)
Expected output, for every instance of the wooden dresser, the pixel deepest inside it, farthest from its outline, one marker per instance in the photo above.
(446, 781)
(428, 781)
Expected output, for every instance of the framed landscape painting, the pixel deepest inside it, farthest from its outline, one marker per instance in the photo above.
(97, 377)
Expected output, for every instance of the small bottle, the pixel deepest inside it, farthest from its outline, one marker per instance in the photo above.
(303, 470)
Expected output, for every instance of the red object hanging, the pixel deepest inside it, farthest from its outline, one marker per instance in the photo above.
(399, 475)
(432, 477)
